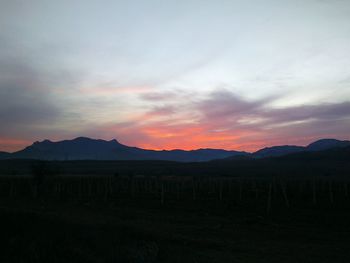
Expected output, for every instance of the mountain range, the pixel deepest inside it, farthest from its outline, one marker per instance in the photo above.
(320, 145)
(83, 148)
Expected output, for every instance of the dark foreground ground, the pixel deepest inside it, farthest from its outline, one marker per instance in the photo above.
(140, 230)
(289, 209)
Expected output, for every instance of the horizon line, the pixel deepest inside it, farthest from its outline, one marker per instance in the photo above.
(173, 149)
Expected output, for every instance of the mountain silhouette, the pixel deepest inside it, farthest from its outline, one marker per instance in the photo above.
(338, 154)
(323, 144)
(277, 151)
(83, 148)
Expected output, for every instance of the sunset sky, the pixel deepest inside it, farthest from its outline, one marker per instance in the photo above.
(175, 74)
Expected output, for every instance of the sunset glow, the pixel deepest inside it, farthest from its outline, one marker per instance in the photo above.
(182, 75)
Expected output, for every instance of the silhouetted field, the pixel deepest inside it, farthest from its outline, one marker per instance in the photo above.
(269, 210)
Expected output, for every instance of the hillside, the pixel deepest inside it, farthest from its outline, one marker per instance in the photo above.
(83, 148)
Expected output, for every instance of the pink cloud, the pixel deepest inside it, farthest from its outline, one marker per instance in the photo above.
(224, 120)
(110, 90)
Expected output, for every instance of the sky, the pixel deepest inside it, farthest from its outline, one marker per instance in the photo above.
(238, 75)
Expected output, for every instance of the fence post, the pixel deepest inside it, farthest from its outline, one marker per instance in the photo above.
(314, 200)
(240, 189)
(193, 189)
(162, 193)
(330, 191)
(269, 197)
(220, 189)
(284, 192)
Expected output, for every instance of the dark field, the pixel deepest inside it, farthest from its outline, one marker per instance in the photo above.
(242, 211)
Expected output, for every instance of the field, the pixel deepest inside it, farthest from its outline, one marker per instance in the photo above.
(169, 212)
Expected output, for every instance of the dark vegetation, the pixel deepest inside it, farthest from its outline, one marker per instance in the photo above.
(304, 164)
(293, 208)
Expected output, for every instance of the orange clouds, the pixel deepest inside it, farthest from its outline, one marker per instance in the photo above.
(224, 120)
(220, 120)
(164, 135)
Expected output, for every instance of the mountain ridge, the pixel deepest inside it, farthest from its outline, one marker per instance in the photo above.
(319, 145)
(84, 148)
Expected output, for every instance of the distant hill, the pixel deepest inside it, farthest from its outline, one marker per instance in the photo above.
(325, 144)
(4, 155)
(319, 145)
(83, 148)
(330, 162)
(277, 151)
(325, 155)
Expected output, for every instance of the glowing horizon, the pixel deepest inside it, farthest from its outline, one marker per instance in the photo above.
(249, 147)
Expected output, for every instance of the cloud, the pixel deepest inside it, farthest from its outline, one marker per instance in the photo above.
(33, 97)
(111, 72)
(225, 120)
(227, 108)
(112, 89)
(159, 119)
(297, 124)
(159, 111)
(158, 96)
(225, 103)
(324, 111)
(24, 101)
